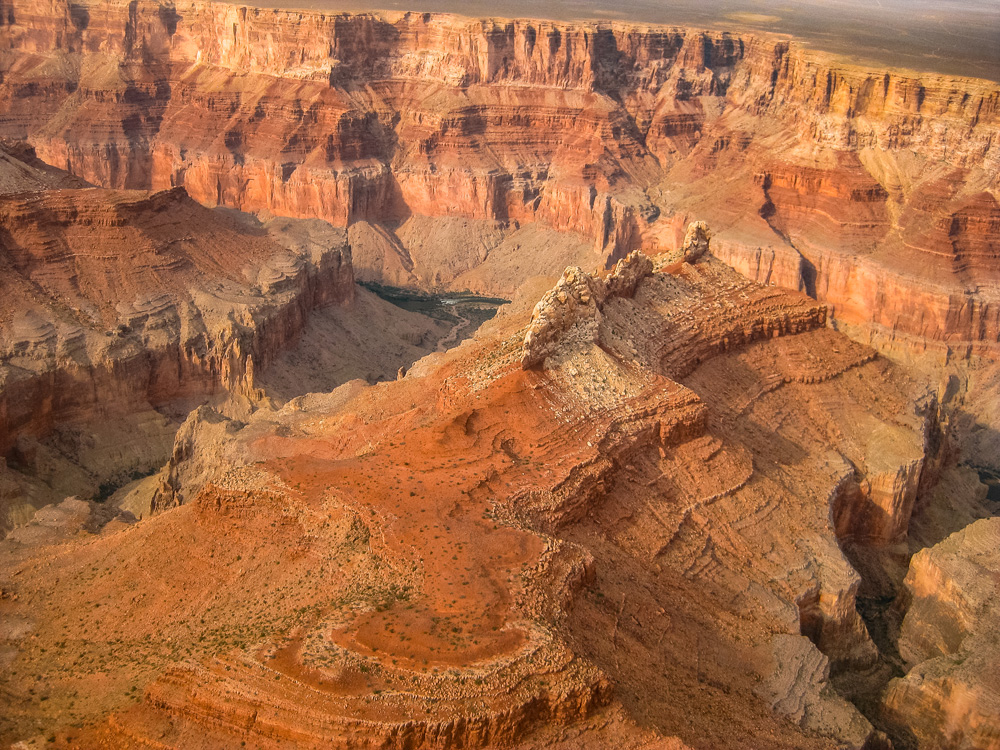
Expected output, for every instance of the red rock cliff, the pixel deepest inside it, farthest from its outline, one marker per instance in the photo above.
(875, 189)
(117, 300)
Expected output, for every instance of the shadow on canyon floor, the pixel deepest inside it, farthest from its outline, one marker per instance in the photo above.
(883, 601)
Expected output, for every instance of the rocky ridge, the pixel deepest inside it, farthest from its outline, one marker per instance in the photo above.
(634, 531)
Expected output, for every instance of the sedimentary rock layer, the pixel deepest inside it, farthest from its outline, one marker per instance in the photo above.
(634, 531)
(873, 190)
(115, 299)
(950, 697)
(113, 303)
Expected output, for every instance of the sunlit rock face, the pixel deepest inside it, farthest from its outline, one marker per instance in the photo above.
(871, 190)
(659, 502)
(628, 543)
(951, 695)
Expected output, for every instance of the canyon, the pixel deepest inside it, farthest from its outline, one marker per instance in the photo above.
(714, 477)
(122, 309)
(458, 148)
(464, 540)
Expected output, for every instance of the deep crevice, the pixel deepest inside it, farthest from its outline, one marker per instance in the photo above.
(883, 600)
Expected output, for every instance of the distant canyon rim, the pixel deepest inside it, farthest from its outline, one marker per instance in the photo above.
(715, 477)
(955, 37)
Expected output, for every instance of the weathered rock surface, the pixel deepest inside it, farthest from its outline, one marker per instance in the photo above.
(114, 304)
(572, 305)
(480, 553)
(872, 190)
(642, 518)
(950, 697)
(798, 687)
(570, 314)
(696, 241)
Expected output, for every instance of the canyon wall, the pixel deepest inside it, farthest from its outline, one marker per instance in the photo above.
(128, 324)
(875, 189)
(949, 697)
(114, 303)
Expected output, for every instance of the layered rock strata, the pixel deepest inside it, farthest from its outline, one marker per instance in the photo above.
(950, 697)
(872, 190)
(116, 303)
(633, 532)
(153, 297)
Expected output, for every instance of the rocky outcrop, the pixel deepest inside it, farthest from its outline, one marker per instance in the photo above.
(570, 315)
(378, 118)
(949, 696)
(571, 304)
(696, 241)
(875, 511)
(574, 305)
(627, 274)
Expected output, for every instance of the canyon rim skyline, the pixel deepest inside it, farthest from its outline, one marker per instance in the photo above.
(458, 375)
(957, 37)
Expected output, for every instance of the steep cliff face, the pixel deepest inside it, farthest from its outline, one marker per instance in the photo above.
(115, 303)
(950, 697)
(876, 190)
(113, 300)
